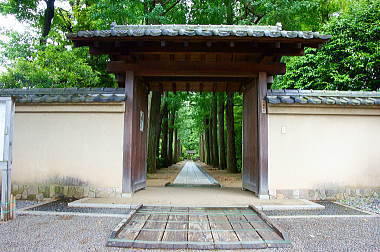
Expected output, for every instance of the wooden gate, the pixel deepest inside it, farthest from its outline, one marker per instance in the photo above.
(135, 135)
(255, 137)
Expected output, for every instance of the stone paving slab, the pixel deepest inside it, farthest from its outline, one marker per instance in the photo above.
(191, 174)
(196, 196)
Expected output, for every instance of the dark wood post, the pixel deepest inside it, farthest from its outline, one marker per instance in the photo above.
(135, 136)
(255, 137)
(250, 172)
(262, 140)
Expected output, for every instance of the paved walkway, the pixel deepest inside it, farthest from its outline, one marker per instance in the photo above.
(191, 174)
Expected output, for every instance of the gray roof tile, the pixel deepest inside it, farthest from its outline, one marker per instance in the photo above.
(352, 98)
(198, 30)
(65, 95)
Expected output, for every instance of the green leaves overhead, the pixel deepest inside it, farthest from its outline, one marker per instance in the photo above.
(350, 61)
(52, 67)
(25, 10)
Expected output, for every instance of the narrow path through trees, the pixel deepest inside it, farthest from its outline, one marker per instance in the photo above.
(191, 174)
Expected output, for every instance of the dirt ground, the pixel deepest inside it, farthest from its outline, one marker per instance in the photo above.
(224, 178)
(167, 175)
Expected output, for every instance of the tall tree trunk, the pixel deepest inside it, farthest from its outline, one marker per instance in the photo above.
(175, 153)
(214, 132)
(222, 147)
(231, 152)
(201, 148)
(204, 147)
(159, 129)
(207, 142)
(171, 129)
(229, 11)
(48, 19)
(179, 149)
(210, 137)
(164, 142)
(154, 115)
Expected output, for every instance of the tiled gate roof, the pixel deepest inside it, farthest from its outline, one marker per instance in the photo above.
(65, 95)
(323, 97)
(103, 95)
(198, 30)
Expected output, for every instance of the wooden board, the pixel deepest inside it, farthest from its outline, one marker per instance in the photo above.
(177, 222)
(271, 238)
(136, 223)
(241, 227)
(198, 228)
(219, 223)
(151, 231)
(134, 146)
(199, 232)
(262, 137)
(250, 172)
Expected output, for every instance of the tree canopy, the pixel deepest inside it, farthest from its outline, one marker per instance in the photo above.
(350, 61)
(43, 56)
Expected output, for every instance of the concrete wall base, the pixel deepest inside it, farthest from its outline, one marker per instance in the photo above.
(126, 195)
(43, 191)
(325, 193)
(263, 197)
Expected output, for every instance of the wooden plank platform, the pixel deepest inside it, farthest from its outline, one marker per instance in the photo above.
(155, 227)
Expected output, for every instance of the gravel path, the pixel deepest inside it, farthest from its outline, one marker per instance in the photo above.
(371, 204)
(55, 233)
(25, 203)
(61, 206)
(73, 233)
(330, 209)
(332, 234)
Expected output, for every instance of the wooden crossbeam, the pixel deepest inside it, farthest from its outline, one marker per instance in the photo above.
(241, 69)
(111, 49)
(207, 86)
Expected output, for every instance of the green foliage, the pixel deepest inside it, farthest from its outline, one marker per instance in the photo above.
(238, 116)
(25, 10)
(350, 61)
(295, 14)
(16, 46)
(190, 118)
(52, 67)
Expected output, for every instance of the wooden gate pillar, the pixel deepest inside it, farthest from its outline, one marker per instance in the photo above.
(255, 138)
(135, 135)
(262, 138)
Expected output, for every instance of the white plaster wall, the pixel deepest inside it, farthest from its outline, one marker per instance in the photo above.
(84, 142)
(323, 147)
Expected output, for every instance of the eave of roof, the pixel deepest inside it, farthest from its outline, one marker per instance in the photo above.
(325, 97)
(65, 95)
(197, 31)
